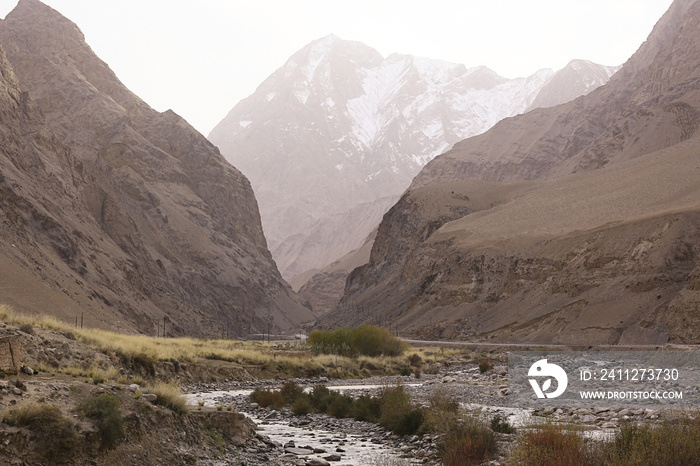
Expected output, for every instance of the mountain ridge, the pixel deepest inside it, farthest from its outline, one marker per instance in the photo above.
(150, 219)
(338, 125)
(576, 223)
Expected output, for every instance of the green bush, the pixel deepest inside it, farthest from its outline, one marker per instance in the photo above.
(302, 406)
(56, 437)
(392, 409)
(397, 412)
(367, 340)
(367, 408)
(267, 398)
(466, 443)
(321, 398)
(104, 410)
(340, 405)
(291, 391)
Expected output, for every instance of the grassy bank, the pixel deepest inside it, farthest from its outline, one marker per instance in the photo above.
(262, 360)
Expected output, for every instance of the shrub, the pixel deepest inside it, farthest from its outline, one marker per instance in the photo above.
(340, 405)
(139, 362)
(56, 435)
(367, 408)
(397, 412)
(441, 411)
(552, 445)
(465, 443)
(405, 371)
(501, 425)
(267, 398)
(321, 398)
(104, 410)
(291, 391)
(27, 328)
(367, 340)
(302, 406)
(442, 402)
(415, 360)
(485, 365)
(674, 442)
(169, 395)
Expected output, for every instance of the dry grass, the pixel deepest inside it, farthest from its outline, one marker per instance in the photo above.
(272, 358)
(56, 437)
(553, 445)
(170, 396)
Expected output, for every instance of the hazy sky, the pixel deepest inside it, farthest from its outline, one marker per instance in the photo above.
(200, 57)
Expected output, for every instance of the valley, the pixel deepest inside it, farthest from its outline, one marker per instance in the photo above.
(347, 269)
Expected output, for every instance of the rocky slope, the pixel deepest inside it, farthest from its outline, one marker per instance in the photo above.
(339, 126)
(577, 78)
(571, 224)
(115, 210)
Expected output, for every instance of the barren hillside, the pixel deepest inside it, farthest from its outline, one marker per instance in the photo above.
(574, 223)
(115, 210)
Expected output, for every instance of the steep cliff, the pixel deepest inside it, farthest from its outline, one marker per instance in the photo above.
(139, 218)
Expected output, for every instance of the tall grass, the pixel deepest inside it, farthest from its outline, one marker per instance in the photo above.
(145, 349)
(169, 395)
(674, 442)
(56, 436)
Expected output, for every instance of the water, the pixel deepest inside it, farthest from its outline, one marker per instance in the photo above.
(358, 449)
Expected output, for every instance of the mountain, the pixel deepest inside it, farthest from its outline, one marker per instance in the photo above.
(577, 78)
(115, 211)
(339, 126)
(572, 224)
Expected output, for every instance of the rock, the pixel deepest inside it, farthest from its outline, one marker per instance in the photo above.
(28, 370)
(299, 451)
(237, 441)
(149, 397)
(317, 462)
(133, 387)
(332, 458)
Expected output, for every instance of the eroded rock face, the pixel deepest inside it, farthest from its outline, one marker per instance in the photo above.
(125, 213)
(580, 221)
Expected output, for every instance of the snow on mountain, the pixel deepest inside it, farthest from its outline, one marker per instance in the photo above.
(338, 125)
